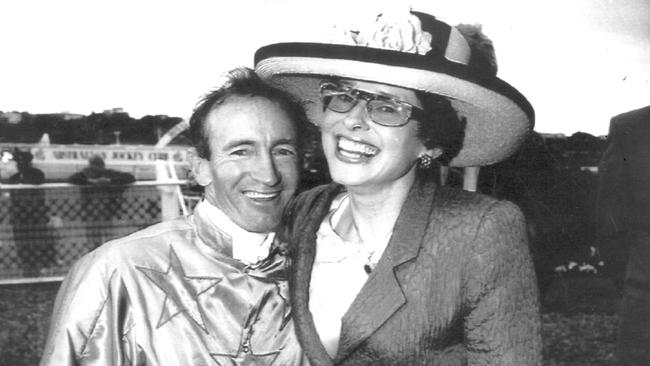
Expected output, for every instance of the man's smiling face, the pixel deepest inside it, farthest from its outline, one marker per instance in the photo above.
(253, 171)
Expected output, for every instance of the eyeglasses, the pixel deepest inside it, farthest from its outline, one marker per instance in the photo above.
(383, 110)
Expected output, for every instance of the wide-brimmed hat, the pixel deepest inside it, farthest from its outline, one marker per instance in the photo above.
(416, 51)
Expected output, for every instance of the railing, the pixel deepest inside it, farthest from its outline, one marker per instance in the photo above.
(45, 228)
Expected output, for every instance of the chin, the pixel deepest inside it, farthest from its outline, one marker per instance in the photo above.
(346, 175)
(263, 226)
(349, 180)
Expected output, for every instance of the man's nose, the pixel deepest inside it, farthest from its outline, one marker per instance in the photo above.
(357, 117)
(265, 170)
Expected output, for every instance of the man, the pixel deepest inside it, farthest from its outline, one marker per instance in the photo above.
(29, 215)
(624, 227)
(102, 197)
(202, 289)
(97, 174)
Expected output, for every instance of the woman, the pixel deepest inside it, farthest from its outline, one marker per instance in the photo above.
(389, 267)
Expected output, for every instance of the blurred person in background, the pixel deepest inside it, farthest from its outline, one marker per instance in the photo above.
(389, 267)
(26, 174)
(102, 198)
(624, 228)
(30, 216)
(96, 173)
(209, 288)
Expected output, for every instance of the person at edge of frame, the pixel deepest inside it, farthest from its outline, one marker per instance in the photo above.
(30, 215)
(623, 235)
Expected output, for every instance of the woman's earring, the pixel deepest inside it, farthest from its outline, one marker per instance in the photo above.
(425, 161)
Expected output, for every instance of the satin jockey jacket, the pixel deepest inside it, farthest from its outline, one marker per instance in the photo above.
(172, 294)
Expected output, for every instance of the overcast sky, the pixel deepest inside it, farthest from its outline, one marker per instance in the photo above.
(579, 62)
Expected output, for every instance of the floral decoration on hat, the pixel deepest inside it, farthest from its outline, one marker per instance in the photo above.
(397, 29)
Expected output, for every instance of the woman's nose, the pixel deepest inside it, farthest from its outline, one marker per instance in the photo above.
(357, 117)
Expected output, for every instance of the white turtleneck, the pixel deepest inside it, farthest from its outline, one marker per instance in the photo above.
(247, 247)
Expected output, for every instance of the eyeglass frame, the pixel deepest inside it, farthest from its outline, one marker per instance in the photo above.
(368, 97)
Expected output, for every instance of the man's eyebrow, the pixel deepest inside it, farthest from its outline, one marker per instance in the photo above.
(248, 142)
(240, 142)
(287, 141)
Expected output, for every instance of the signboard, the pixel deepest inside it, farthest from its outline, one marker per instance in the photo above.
(58, 162)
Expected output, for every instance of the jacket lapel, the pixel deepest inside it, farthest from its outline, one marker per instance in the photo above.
(381, 296)
(310, 214)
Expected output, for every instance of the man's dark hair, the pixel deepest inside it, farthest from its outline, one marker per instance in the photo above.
(243, 82)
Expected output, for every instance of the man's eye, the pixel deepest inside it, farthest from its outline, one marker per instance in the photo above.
(240, 152)
(285, 151)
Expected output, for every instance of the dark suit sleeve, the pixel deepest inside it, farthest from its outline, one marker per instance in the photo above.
(612, 200)
(78, 178)
(120, 178)
(38, 178)
(502, 326)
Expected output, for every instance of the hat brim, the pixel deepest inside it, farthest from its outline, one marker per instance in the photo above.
(498, 117)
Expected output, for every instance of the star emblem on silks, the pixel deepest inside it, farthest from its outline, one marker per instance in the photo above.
(246, 355)
(246, 359)
(181, 291)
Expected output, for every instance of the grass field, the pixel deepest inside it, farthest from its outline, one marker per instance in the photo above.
(579, 322)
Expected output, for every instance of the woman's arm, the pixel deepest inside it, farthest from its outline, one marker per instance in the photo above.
(502, 322)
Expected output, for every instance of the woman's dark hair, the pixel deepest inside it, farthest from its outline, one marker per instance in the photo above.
(440, 126)
(242, 82)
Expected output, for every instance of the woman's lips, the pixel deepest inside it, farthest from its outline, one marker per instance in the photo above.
(355, 150)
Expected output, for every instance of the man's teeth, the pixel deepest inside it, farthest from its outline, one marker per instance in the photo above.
(260, 195)
(357, 147)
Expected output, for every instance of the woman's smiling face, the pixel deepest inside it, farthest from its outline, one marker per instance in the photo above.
(362, 153)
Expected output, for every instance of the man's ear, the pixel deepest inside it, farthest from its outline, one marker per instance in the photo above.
(200, 168)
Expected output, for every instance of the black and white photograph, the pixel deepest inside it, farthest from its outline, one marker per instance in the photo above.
(386, 182)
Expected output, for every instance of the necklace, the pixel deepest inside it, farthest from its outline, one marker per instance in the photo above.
(374, 247)
(379, 247)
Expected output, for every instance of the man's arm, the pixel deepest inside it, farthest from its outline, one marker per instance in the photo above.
(78, 178)
(119, 178)
(612, 201)
(84, 329)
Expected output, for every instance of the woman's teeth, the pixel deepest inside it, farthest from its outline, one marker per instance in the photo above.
(353, 147)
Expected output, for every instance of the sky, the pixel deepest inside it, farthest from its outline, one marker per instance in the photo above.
(579, 62)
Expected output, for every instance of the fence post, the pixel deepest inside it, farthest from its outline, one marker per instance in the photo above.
(169, 206)
(470, 178)
(444, 174)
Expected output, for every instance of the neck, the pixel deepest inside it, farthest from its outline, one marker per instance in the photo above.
(373, 211)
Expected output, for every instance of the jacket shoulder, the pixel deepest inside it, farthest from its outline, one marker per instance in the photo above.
(457, 205)
(631, 120)
(452, 198)
(641, 113)
(143, 243)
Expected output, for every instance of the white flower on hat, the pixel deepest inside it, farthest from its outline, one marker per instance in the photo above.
(394, 29)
